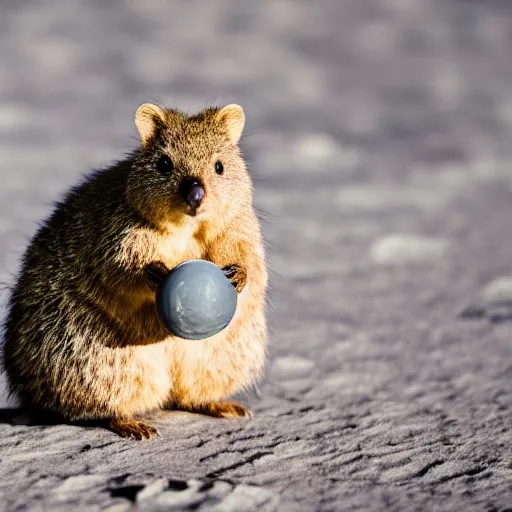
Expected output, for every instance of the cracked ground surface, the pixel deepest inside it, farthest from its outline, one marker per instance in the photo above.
(380, 135)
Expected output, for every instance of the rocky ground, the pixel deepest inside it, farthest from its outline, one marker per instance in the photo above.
(380, 136)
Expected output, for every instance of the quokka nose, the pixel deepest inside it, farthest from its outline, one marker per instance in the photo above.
(193, 193)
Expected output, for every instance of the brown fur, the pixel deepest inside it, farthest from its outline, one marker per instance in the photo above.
(82, 335)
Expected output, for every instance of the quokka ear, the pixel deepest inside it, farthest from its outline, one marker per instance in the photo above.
(148, 118)
(232, 117)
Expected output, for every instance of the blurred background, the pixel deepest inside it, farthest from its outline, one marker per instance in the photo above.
(379, 133)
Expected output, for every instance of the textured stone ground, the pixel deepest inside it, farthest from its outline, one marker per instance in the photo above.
(380, 134)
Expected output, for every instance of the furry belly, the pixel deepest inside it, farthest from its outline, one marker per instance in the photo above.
(205, 371)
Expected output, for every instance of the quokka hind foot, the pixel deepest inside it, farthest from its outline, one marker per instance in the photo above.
(220, 410)
(132, 429)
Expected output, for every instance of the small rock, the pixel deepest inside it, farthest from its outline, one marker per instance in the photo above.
(78, 483)
(152, 489)
(318, 151)
(499, 290)
(174, 499)
(292, 367)
(119, 507)
(402, 248)
(245, 498)
(219, 489)
(316, 146)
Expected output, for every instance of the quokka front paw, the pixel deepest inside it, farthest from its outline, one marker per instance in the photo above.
(237, 275)
(156, 272)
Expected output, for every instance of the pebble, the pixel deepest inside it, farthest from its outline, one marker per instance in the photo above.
(498, 290)
(292, 367)
(402, 248)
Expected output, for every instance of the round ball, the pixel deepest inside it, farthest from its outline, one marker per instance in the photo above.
(196, 300)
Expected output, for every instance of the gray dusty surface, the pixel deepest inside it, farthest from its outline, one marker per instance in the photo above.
(380, 135)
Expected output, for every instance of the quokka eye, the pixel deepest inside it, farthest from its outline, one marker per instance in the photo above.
(219, 168)
(165, 165)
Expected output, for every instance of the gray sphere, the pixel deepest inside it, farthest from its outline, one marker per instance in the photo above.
(196, 300)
